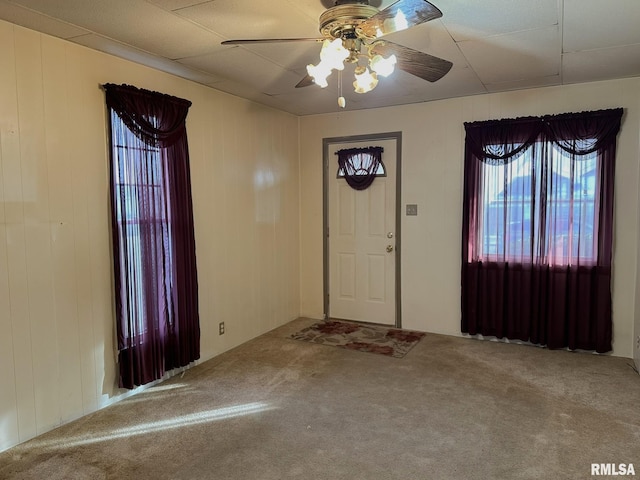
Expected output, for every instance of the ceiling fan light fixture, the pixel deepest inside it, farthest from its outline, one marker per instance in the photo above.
(332, 57)
(334, 54)
(350, 31)
(365, 80)
(383, 66)
(319, 73)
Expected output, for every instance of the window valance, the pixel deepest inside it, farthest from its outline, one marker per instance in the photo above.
(155, 118)
(360, 165)
(502, 141)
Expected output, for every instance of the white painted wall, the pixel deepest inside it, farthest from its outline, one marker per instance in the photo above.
(57, 359)
(432, 161)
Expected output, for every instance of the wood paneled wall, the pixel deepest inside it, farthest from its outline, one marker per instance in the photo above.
(432, 177)
(56, 303)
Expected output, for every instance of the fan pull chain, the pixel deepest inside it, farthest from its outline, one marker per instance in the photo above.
(341, 101)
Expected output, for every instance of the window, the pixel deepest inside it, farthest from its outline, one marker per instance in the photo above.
(360, 166)
(155, 275)
(140, 208)
(537, 229)
(530, 211)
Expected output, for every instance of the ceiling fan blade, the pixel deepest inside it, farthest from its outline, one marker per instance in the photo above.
(269, 40)
(416, 63)
(305, 82)
(398, 16)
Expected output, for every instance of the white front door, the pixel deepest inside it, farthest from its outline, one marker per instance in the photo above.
(362, 241)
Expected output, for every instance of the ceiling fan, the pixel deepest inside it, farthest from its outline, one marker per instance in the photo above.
(353, 29)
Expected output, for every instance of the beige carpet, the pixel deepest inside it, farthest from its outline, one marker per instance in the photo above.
(278, 408)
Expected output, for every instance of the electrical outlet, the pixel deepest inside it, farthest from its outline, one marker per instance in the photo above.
(221, 328)
(638, 341)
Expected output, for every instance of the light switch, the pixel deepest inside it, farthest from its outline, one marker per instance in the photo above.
(412, 209)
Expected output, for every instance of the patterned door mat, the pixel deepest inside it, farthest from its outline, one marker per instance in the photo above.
(392, 342)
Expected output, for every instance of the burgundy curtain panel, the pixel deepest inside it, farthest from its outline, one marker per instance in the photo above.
(537, 229)
(156, 287)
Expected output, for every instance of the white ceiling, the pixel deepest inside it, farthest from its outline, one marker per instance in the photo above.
(495, 45)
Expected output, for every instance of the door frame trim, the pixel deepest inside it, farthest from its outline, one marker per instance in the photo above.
(397, 136)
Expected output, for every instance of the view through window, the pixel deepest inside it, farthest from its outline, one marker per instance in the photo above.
(362, 163)
(142, 216)
(532, 210)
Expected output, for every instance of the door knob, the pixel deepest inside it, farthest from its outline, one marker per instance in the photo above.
(389, 234)
(389, 248)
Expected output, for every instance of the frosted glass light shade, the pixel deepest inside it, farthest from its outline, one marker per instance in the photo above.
(383, 66)
(365, 80)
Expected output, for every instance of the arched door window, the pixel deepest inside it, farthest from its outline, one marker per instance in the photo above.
(360, 166)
